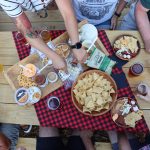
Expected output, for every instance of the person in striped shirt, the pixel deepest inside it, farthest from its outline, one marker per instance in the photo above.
(14, 8)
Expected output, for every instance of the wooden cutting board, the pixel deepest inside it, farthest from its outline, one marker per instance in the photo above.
(12, 73)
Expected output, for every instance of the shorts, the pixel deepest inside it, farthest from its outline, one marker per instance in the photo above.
(55, 143)
(135, 144)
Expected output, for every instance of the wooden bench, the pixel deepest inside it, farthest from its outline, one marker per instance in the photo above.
(54, 21)
(30, 144)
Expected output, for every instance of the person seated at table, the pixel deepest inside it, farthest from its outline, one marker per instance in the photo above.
(14, 8)
(138, 18)
(9, 134)
(128, 141)
(101, 13)
(49, 139)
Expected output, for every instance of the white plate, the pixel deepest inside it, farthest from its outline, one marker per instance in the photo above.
(32, 90)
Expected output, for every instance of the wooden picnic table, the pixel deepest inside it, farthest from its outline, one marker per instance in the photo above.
(10, 112)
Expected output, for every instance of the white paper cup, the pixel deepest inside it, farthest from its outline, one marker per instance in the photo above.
(52, 80)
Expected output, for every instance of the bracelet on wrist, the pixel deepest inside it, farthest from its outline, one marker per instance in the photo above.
(117, 14)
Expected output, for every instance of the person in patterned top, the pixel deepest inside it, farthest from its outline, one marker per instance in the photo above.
(14, 8)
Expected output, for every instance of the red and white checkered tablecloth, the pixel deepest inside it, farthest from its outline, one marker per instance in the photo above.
(67, 116)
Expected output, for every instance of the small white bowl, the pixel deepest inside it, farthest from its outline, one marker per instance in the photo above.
(56, 77)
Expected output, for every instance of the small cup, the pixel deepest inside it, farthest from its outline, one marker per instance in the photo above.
(136, 69)
(53, 103)
(142, 89)
(52, 77)
(45, 35)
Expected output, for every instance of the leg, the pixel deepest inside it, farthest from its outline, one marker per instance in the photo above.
(113, 137)
(123, 142)
(11, 131)
(129, 22)
(49, 139)
(80, 140)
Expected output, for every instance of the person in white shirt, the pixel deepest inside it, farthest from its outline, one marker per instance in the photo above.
(101, 13)
(14, 8)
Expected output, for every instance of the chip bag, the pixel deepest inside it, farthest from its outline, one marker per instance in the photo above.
(100, 61)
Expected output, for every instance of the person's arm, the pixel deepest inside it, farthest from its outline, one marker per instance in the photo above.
(24, 26)
(143, 24)
(119, 9)
(66, 9)
(4, 142)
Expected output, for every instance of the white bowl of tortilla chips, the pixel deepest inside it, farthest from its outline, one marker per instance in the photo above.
(94, 93)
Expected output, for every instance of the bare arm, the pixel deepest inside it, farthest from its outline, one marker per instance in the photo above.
(24, 26)
(66, 9)
(143, 24)
(120, 7)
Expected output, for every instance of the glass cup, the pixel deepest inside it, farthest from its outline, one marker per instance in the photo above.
(19, 36)
(136, 69)
(45, 35)
(53, 103)
(142, 89)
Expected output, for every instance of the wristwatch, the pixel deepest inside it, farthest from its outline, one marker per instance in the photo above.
(78, 45)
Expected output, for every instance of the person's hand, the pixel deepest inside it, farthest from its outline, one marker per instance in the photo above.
(58, 62)
(4, 142)
(147, 46)
(80, 55)
(147, 97)
(114, 21)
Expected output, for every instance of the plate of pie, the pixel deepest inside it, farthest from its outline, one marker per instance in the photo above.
(126, 47)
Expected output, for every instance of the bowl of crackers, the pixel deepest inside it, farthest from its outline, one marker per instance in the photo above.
(126, 47)
(126, 113)
(62, 49)
(94, 93)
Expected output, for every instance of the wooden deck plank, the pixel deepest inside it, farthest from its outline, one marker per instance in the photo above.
(4, 38)
(28, 143)
(103, 146)
(51, 26)
(12, 113)
(6, 94)
(53, 15)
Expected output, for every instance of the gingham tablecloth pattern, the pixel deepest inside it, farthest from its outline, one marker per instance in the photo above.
(67, 116)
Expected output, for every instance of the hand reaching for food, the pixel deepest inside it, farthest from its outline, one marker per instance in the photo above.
(59, 63)
(80, 54)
